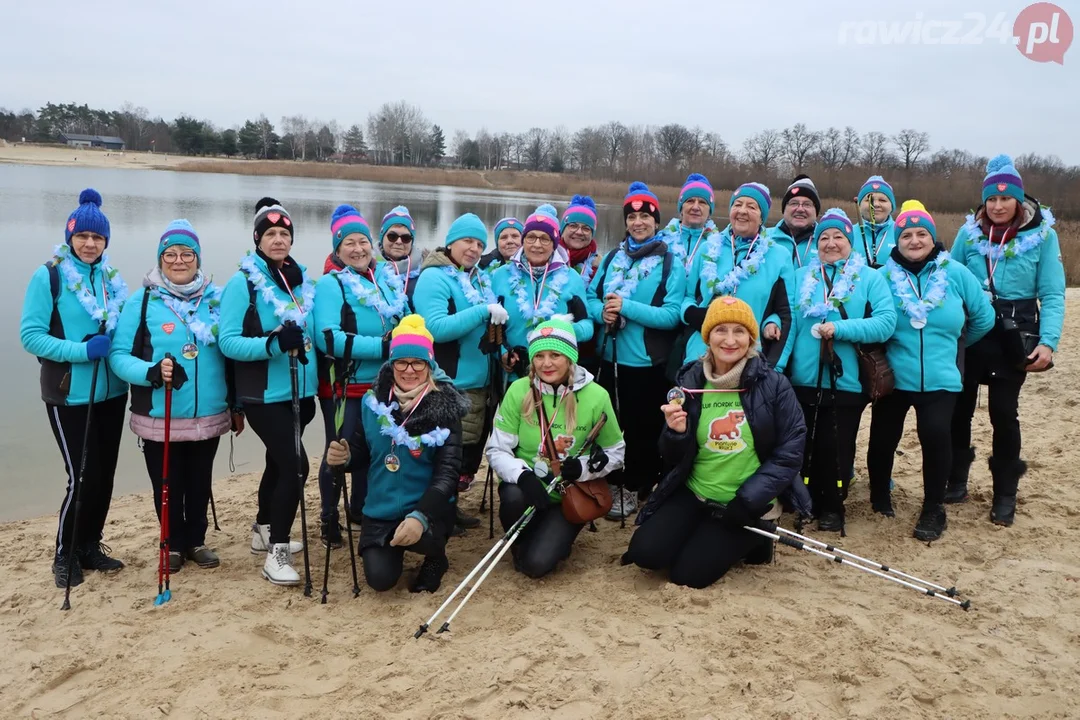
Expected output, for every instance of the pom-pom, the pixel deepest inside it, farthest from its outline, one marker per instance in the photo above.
(341, 211)
(583, 200)
(90, 195)
(836, 212)
(637, 187)
(998, 162)
(398, 210)
(411, 323)
(801, 176)
(910, 205)
(548, 211)
(696, 177)
(265, 202)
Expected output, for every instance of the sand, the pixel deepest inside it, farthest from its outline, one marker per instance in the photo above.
(801, 638)
(22, 154)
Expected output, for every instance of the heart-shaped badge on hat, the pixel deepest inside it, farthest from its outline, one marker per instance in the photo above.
(902, 222)
(636, 205)
(1002, 186)
(273, 217)
(71, 225)
(546, 331)
(876, 185)
(730, 300)
(795, 191)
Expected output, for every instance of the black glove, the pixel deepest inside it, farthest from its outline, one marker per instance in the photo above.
(695, 317)
(291, 337)
(534, 489)
(521, 367)
(737, 514)
(571, 469)
(576, 306)
(386, 346)
(179, 376)
(598, 459)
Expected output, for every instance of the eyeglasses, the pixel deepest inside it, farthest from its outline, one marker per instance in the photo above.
(541, 241)
(579, 227)
(414, 365)
(804, 205)
(394, 237)
(171, 257)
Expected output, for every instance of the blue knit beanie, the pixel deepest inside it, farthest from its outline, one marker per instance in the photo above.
(505, 223)
(756, 192)
(345, 221)
(697, 185)
(397, 216)
(180, 232)
(1002, 178)
(87, 217)
(582, 210)
(876, 183)
(468, 225)
(834, 219)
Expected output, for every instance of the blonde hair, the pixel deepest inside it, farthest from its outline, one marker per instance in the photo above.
(569, 403)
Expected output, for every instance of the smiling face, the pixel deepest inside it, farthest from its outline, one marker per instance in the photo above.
(410, 373)
(509, 242)
(466, 252)
(355, 251)
(88, 246)
(915, 243)
(551, 367)
(694, 213)
(397, 242)
(833, 246)
(577, 236)
(728, 344)
(1001, 209)
(882, 207)
(276, 243)
(179, 264)
(800, 213)
(745, 217)
(538, 248)
(640, 225)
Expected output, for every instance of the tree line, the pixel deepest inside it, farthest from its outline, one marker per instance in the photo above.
(399, 133)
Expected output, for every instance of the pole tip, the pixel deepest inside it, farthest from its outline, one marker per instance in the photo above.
(356, 591)
(951, 592)
(66, 605)
(444, 628)
(323, 600)
(421, 631)
(966, 605)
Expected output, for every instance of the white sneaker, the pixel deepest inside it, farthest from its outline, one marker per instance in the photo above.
(260, 540)
(625, 503)
(278, 567)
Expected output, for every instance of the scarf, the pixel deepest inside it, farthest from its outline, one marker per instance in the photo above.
(406, 400)
(638, 250)
(1010, 231)
(402, 265)
(729, 380)
(293, 276)
(916, 267)
(577, 257)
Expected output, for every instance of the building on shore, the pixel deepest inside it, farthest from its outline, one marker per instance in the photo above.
(105, 142)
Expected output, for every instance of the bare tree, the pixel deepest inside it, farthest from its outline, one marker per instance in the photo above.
(536, 148)
(559, 149)
(713, 147)
(851, 144)
(875, 150)
(798, 144)
(762, 149)
(911, 144)
(615, 134)
(675, 144)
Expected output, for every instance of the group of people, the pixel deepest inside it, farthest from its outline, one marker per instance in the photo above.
(710, 376)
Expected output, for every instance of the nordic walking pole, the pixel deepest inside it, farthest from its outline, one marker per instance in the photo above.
(73, 543)
(800, 545)
(294, 374)
(213, 510)
(163, 544)
(340, 422)
(618, 415)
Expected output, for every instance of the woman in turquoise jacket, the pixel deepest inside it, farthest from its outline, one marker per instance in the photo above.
(688, 233)
(839, 304)
(874, 238)
(634, 300)
(538, 285)
(69, 315)
(743, 261)
(456, 301)
(397, 244)
(266, 315)
(940, 309)
(168, 334)
(355, 310)
(1009, 244)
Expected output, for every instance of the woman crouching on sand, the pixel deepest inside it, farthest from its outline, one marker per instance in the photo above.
(735, 436)
(408, 445)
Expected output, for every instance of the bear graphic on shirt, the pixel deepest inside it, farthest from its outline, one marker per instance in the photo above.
(725, 433)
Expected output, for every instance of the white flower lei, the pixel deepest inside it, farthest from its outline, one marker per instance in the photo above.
(624, 277)
(1016, 247)
(397, 433)
(284, 311)
(371, 297)
(483, 296)
(914, 307)
(534, 315)
(673, 237)
(187, 311)
(87, 297)
(743, 269)
(842, 287)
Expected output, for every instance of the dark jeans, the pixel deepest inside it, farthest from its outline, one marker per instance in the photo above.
(933, 414)
(191, 471)
(641, 392)
(358, 491)
(830, 453)
(1003, 393)
(683, 538)
(69, 428)
(546, 541)
(383, 563)
(279, 490)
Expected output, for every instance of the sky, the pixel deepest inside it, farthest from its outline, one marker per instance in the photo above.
(730, 68)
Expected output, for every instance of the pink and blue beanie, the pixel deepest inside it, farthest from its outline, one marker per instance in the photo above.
(639, 198)
(411, 339)
(697, 185)
(397, 216)
(507, 223)
(180, 233)
(1002, 178)
(87, 217)
(913, 214)
(582, 210)
(876, 183)
(756, 192)
(834, 219)
(345, 221)
(545, 219)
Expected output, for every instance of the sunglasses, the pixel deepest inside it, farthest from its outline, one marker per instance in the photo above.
(394, 237)
(414, 365)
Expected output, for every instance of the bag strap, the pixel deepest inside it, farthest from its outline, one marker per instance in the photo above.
(602, 273)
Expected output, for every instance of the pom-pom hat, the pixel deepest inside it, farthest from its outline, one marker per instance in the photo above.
(87, 217)
(1002, 178)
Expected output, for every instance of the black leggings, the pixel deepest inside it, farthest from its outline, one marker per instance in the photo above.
(191, 471)
(933, 415)
(830, 453)
(546, 541)
(383, 563)
(106, 428)
(1003, 394)
(358, 493)
(683, 537)
(279, 491)
(640, 394)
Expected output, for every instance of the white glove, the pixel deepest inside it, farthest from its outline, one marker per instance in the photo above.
(567, 317)
(499, 316)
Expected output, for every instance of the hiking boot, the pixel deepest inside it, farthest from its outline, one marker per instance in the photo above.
(761, 555)
(465, 482)
(430, 575)
(94, 556)
(932, 523)
(957, 489)
(466, 521)
(830, 522)
(1006, 482)
(457, 531)
(204, 557)
(624, 506)
(176, 561)
(1003, 511)
(60, 572)
(881, 501)
(260, 540)
(278, 567)
(331, 535)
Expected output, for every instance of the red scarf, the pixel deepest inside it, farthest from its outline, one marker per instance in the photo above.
(1000, 233)
(579, 256)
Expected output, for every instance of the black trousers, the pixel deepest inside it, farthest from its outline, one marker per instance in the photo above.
(68, 424)
(358, 491)
(831, 431)
(640, 394)
(546, 541)
(279, 491)
(191, 472)
(383, 563)
(471, 455)
(1003, 393)
(683, 538)
(933, 414)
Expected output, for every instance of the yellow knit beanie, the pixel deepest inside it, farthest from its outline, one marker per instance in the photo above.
(728, 309)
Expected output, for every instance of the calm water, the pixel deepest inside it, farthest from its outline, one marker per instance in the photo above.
(35, 203)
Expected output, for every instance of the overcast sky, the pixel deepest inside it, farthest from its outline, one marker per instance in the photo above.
(732, 68)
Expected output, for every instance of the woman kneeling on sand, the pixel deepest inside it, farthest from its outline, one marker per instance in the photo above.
(735, 436)
(408, 444)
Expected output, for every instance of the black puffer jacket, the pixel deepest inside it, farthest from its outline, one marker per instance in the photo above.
(776, 420)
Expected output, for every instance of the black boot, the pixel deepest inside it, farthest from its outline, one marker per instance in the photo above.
(94, 556)
(881, 501)
(957, 489)
(761, 555)
(60, 572)
(430, 576)
(932, 523)
(465, 521)
(831, 522)
(1006, 482)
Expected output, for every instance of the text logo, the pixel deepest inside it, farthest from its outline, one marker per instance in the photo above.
(1043, 32)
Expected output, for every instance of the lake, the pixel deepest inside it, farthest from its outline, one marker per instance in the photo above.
(35, 202)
